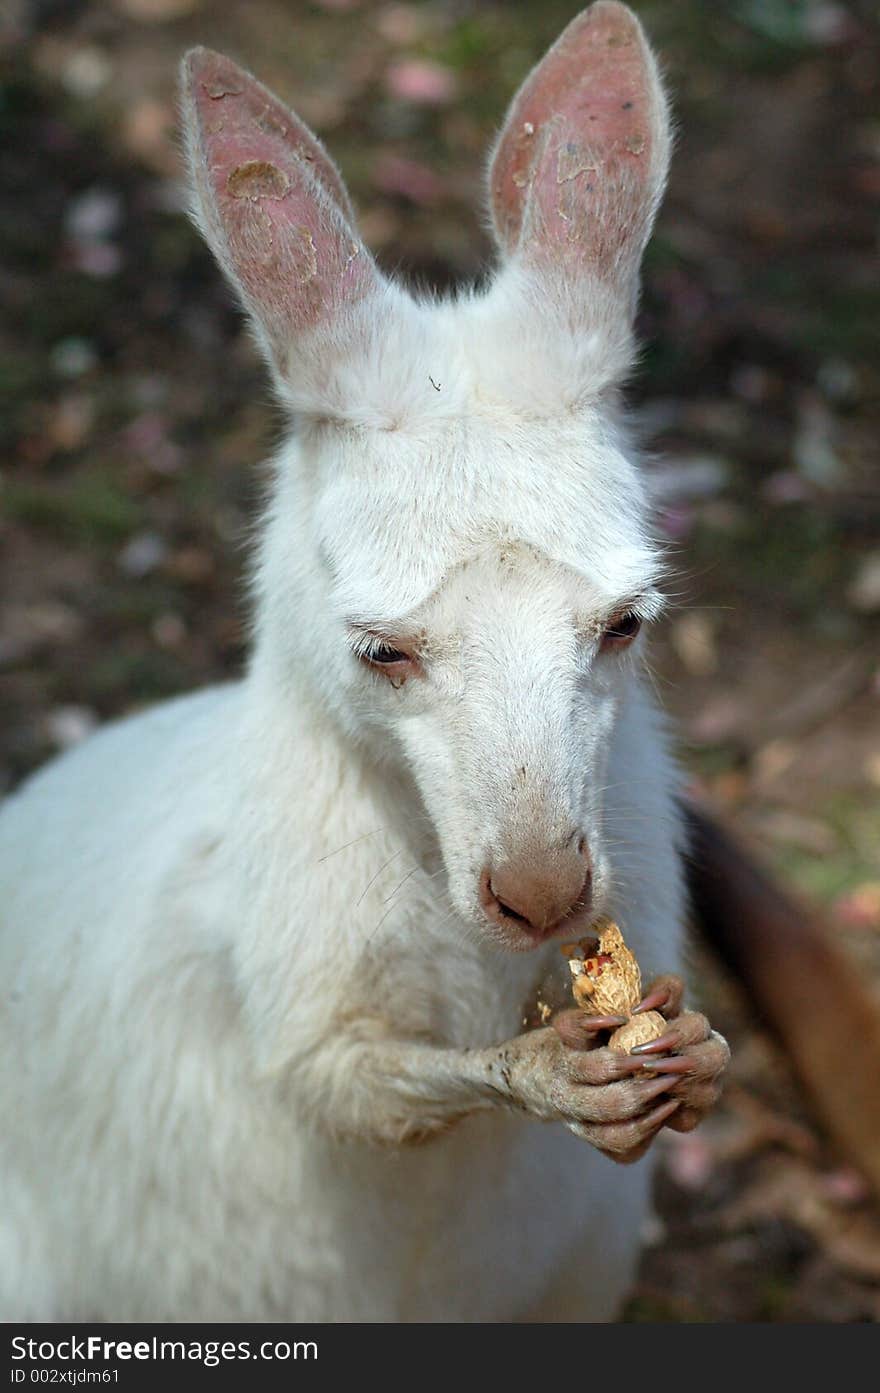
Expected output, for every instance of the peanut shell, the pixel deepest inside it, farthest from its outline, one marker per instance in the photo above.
(638, 1031)
(608, 982)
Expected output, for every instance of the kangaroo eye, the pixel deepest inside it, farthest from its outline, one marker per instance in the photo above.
(394, 663)
(622, 630)
(384, 655)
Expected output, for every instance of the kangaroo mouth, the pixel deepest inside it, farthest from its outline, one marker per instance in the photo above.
(517, 934)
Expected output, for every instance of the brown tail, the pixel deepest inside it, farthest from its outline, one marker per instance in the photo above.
(801, 984)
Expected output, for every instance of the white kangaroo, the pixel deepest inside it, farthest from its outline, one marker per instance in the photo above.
(259, 941)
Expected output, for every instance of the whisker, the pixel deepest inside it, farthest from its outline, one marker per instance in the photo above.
(393, 857)
(353, 842)
(373, 933)
(400, 884)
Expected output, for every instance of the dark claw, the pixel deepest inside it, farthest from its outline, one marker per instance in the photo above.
(676, 1064)
(656, 1087)
(652, 1001)
(630, 1065)
(602, 1022)
(665, 1042)
(660, 1114)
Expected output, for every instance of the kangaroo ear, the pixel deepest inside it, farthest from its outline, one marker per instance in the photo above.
(270, 203)
(580, 166)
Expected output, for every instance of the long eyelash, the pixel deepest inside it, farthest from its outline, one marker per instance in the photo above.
(650, 606)
(365, 645)
(369, 646)
(647, 607)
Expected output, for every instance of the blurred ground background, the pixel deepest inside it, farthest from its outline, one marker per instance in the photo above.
(133, 416)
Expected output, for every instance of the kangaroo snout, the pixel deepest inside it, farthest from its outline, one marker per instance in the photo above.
(538, 890)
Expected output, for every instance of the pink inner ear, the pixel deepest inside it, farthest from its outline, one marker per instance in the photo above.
(578, 142)
(220, 77)
(280, 204)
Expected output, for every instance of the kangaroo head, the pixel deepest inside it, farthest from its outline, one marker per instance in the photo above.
(457, 560)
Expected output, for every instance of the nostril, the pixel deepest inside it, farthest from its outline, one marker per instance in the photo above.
(536, 901)
(577, 842)
(586, 893)
(496, 906)
(487, 894)
(508, 911)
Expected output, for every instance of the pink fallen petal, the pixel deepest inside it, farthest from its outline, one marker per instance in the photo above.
(419, 81)
(677, 523)
(720, 719)
(689, 1160)
(98, 259)
(846, 1186)
(860, 908)
(407, 179)
(786, 486)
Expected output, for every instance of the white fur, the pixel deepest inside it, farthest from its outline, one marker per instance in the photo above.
(241, 949)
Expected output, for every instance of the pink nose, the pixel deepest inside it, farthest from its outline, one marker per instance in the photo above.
(539, 892)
